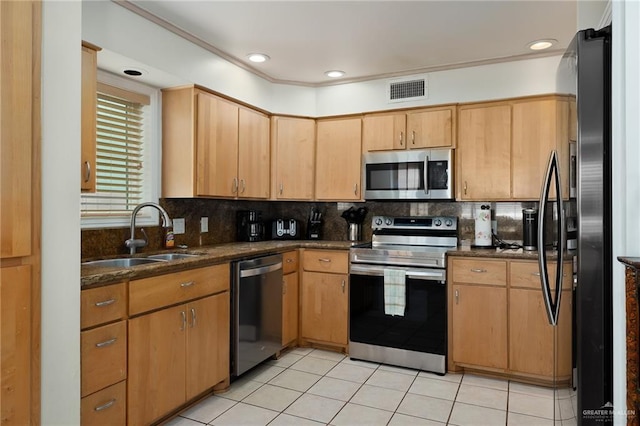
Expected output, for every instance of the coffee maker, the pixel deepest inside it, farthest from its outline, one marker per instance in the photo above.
(249, 225)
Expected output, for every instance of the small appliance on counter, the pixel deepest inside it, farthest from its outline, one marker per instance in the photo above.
(314, 225)
(482, 216)
(285, 229)
(249, 225)
(530, 229)
(355, 218)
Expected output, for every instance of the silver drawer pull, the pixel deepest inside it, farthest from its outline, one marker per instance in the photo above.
(324, 260)
(105, 405)
(480, 271)
(535, 274)
(289, 260)
(187, 284)
(106, 343)
(105, 303)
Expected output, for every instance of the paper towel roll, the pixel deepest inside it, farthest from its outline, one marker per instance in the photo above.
(483, 225)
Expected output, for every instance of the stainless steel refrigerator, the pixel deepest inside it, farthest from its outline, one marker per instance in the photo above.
(585, 72)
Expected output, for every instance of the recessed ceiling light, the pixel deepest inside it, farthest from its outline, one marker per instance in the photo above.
(542, 44)
(257, 57)
(334, 73)
(133, 72)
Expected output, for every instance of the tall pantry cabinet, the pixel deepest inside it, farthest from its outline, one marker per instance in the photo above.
(20, 31)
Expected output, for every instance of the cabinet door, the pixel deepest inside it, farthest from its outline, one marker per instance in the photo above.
(294, 149)
(384, 132)
(253, 154)
(289, 308)
(157, 359)
(479, 326)
(531, 338)
(430, 129)
(323, 307)
(217, 147)
(338, 159)
(89, 101)
(207, 343)
(538, 128)
(15, 343)
(484, 153)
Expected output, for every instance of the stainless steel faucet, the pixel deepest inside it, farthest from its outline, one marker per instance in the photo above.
(133, 243)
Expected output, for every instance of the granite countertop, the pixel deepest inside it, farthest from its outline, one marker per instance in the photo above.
(633, 262)
(97, 276)
(467, 251)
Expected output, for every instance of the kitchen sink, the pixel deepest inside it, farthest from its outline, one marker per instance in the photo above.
(171, 256)
(122, 263)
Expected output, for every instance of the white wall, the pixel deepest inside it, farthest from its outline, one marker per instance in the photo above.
(626, 176)
(61, 35)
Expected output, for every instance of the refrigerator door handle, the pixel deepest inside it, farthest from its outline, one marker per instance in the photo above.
(552, 304)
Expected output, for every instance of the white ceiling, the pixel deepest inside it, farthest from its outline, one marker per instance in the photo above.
(366, 39)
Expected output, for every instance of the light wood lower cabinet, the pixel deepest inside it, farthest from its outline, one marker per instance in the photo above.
(290, 298)
(176, 354)
(498, 321)
(324, 298)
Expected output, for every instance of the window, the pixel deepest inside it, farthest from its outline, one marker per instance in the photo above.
(127, 154)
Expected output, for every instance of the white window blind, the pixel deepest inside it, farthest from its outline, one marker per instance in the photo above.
(120, 154)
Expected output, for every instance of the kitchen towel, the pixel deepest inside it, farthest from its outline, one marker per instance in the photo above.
(394, 291)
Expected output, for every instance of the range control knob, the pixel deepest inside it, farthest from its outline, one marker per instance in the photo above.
(448, 222)
(379, 221)
(437, 222)
(388, 221)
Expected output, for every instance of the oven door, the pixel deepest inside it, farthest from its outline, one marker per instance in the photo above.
(423, 328)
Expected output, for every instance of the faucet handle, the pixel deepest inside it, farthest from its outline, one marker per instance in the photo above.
(145, 239)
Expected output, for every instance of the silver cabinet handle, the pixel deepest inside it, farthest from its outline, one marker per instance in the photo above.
(413, 137)
(465, 187)
(289, 260)
(243, 185)
(535, 274)
(480, 271)
(193, 317)
(355, 189)
(324, 259)
(105, 303)
(457, 297)
(281, 188)
(87, 171)
(401, 137)
(106, 343)
(105, 405)
(184, 320)
(343, 284)
(235, 185)
(187, 284)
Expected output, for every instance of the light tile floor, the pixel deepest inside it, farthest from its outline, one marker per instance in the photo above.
(314, 387)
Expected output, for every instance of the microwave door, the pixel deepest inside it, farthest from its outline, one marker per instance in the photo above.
(438, 175)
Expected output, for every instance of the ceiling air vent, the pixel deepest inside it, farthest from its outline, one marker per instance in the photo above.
(407, 90)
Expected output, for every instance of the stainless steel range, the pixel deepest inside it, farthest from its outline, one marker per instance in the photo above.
(398, 297)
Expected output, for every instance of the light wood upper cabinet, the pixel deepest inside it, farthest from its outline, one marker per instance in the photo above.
(212, 147)
(504, 147)
(293, 144)
(484, 152)
(338, 159)
(414, 129)
(89, 103)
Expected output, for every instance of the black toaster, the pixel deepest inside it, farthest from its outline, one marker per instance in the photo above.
(285, 229)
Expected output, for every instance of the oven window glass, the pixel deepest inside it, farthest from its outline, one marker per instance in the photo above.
(423, 327)
(438, 175)
(395, 176)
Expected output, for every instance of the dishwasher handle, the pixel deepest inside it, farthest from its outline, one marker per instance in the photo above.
(252, 272)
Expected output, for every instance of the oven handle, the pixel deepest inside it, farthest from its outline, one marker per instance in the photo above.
(418, 274)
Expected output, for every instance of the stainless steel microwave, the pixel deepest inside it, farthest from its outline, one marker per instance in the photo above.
(425, 174)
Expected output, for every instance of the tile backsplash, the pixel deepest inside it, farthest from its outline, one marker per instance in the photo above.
(221, 216)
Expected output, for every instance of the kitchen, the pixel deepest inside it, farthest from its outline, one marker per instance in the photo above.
(57, 269)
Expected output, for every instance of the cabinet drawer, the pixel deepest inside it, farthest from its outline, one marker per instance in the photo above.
(152, 293)
(102, 305)
(289, 262)
(106, 407)
(474, 271)
(103, 356)
(527, 275)
(326, 261)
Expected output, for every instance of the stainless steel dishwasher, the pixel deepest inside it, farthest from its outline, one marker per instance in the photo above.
(256, 314)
